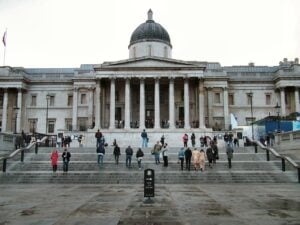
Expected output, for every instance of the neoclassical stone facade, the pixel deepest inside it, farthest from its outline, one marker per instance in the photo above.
(149, 90)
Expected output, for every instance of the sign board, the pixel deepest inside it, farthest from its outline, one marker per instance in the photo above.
(148, 183)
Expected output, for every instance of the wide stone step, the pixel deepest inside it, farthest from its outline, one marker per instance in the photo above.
(136, 177)
(173, 165)
(147, 156)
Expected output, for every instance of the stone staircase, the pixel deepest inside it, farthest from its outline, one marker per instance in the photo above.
(248, 167)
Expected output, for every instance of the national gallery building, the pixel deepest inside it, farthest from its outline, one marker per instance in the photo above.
(149, 90)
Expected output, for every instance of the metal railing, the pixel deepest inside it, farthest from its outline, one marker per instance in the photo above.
(283, 158)
(22, 152)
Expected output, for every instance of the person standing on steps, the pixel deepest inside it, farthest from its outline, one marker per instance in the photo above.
(54, 159)
(181, 157)
(193, 140)
(129, 153)
(66, 159)
(144, 139)
(188, 157)
(215, 150)
(162, 140)
(196, 159)
(202, 160)
(210, 156)
(185, 139)
(101, 153)
(117, 153)
(98, 136)
(165, 154)
(139, 157)
(229, 152)
(156, 151)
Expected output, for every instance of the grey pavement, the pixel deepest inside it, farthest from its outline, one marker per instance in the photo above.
(49, 204)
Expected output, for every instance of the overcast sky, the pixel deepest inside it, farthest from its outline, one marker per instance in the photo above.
(67, 33)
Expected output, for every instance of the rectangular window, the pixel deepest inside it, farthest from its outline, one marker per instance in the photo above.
(249, 99)
(51, 125)
(70, 100)
(68, 123)
(268, 99)
(32, 125)
(117, 96)
(33, 100)
(231, 99)
(182, 95)
(217, 98)
(51, 100)
(83, 99)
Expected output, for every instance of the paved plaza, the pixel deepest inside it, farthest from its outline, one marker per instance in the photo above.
(48, 204)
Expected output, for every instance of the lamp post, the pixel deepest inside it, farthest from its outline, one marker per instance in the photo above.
(250, 94)
(48, 98)
(277, 108)
(16, 109)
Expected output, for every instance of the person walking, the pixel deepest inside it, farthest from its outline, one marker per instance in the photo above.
(210, 156)
(202, 160)
(196, 159)
(185, 139)
(117, 153)
(54, 160)
(129, 153)
(165, 154)
(215, 150)
(229, 152)
(188, 156)
(101, 153)
(193, 139)
(98, 136)
(156, 152)
(181, 157)
(66, 159)
(144, 139)
(139, 157)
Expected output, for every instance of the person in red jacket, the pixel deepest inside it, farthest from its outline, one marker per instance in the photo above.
(54, 159)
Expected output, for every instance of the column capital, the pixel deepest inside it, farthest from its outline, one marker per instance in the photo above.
(76, 89)
(208, 88)
(225, 88)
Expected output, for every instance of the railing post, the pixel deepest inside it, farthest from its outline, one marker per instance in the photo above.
(255, 147)
(22, 156)
(298, 175)
(268, 154)
(36, 147)
(4, 165)
(283, 164)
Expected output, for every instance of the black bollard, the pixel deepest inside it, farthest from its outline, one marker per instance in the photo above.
(268, 154)
(4, 165)
(255, 147)
(36, 147)
(283, 164)
(22, 155)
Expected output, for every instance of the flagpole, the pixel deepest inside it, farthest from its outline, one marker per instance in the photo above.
(4, 42)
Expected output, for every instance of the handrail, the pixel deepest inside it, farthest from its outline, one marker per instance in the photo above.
(14, 153)
(277, 155)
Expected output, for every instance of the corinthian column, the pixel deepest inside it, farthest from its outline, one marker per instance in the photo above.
(127, 104)
(282, 101)
(90, 105)
(142, 103)
(112, 104)
(297, 106)
(226, 111)
(201, 104)
(98, 105)
(171, 104)
(75, 109)
(156, 105)
(186, 104)
(19, 111)
(4, 111)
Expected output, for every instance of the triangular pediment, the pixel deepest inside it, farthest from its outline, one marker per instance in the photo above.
(149, 62)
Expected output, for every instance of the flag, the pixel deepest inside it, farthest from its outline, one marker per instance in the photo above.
(4, 39)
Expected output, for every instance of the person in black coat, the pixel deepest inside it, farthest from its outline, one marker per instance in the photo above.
(188, 157)
(210, 156)
(66, 159)
(117, 153)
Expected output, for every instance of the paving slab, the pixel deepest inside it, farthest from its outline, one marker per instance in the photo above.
(49, 204)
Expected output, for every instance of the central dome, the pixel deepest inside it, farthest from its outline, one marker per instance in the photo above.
(150, 31)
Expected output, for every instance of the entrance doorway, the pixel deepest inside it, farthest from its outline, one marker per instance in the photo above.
(180, 123)
(149, 123)
(118, 117)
